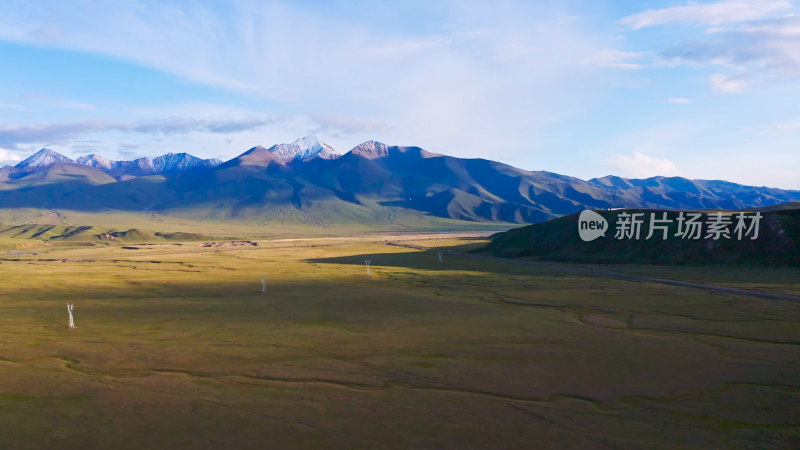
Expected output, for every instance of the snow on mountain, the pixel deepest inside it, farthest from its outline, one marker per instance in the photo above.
(371, 150)
(311, 146)
(96, 161)
(41, 159)
(178, 162)
(171, 162)
(303, 149)
(285, 152)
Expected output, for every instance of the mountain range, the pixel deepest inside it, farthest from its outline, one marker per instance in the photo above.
(309, 181)
(44, 159)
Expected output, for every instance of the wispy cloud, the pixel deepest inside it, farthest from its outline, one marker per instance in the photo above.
(11, 106)
(679, 100)
(786, 126)
(616, 58)
(642, 165)
(76, 105)
(772, 46)
(129, 151)
(717, 13)
(406, 47)
(183, 125)
(12, 135)
(722, 84)
(8, 156)
(337, 125)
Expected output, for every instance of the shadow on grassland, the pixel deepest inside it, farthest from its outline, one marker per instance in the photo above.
(429, 261)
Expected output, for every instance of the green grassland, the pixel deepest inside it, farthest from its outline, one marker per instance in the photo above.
(290, 222)
(176, 346)
(778, 280)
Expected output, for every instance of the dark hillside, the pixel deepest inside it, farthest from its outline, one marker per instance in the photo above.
(777, 243)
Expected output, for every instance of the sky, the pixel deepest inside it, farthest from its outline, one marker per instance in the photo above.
(703, 90)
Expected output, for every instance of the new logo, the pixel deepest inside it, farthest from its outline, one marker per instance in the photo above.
(591, 225)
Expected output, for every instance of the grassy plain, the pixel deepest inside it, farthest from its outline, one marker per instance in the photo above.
(176, 346)
(779, 280)
(287, 225)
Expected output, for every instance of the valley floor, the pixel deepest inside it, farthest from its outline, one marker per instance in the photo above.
(177, 346)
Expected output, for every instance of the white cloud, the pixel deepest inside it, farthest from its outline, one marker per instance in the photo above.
(718, 13)
(76, 105)
(8, 157)
(642, 166)
(722, 84)
(335, 125)
(615, 58)
(769, 47)
(11, 106)
(405, 47)
(679, 100)
(786, 126)
(47, 133)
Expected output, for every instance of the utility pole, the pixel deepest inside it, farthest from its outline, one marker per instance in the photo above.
(70, 308)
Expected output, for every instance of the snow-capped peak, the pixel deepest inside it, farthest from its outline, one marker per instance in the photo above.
(307, 142)
(178, 162)
(43, 158)
(96, 161)
(371, 150)
(303, 149)
(171, 162)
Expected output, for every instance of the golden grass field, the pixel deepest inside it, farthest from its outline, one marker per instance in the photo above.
(177, 347)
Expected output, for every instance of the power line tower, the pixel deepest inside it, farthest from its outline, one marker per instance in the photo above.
(70, 308)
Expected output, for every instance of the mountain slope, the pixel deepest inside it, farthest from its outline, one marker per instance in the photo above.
(62, 175)
(777, 242)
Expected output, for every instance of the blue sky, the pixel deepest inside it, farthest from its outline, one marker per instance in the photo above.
(585, 88)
